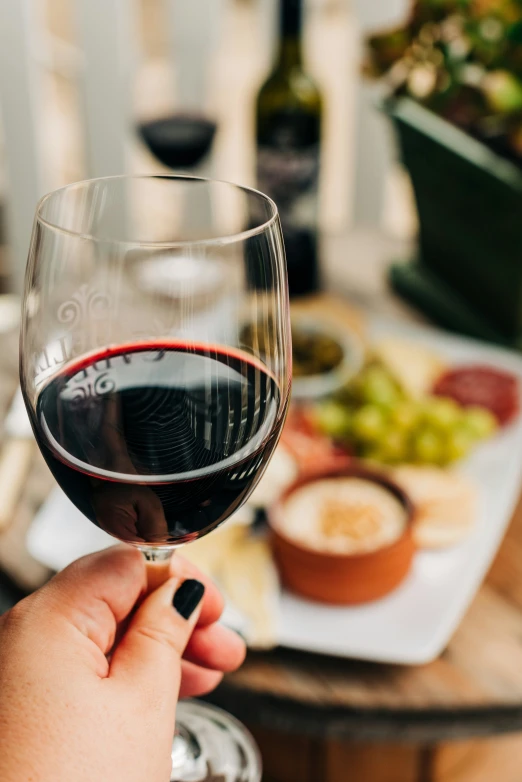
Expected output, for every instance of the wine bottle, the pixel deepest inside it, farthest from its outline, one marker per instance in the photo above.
(288, 129)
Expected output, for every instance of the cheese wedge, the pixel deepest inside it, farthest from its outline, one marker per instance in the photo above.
(250, 581)
(415, 367)
(208, 552)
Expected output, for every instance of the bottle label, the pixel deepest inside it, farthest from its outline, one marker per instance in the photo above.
(290, 177)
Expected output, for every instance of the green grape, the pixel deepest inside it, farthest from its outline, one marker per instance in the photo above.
(378, 388)
(333, 419)
(368, 423)
(441, 413)
(393, 446)
(404, 416)
(428, 447)
(458, 444)
(479, 422)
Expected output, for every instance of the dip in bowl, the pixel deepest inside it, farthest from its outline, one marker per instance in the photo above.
(342, 537)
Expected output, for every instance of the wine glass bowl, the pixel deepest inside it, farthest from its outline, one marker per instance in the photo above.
(153, 416)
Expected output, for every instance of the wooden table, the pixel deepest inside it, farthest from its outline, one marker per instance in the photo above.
(473, 690)
(320, 715)
(320, 719)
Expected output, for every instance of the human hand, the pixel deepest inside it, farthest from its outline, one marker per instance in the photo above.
(88, 689)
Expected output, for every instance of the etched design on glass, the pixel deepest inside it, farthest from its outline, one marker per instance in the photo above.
(86, 303)
(84, 319)
(103, 384)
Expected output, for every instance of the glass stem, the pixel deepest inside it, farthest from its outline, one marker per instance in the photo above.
(157, 559)
(185, 748)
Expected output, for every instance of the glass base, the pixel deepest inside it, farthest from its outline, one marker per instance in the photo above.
(212, 746)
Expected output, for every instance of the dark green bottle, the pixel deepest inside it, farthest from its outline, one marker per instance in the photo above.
(288, 128)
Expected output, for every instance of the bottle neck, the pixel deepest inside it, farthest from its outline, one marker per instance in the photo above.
(290, 55)
(290, 29)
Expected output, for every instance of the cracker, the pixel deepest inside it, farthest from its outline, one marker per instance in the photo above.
(445, 504)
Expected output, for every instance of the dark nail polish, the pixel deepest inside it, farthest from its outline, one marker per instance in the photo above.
(188, 597)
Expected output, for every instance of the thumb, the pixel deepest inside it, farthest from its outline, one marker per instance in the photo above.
(149, 654)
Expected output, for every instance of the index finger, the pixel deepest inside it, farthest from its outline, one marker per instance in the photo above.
(95, 593)
(213, 603)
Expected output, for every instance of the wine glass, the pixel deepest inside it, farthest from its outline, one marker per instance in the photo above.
(179, 141)
(155, 365)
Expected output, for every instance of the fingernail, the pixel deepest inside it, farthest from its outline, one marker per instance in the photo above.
(188, 597)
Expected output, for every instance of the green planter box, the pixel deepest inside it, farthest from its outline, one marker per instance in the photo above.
(469, 202)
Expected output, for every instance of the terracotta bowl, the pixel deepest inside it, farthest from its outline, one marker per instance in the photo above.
(342, 579)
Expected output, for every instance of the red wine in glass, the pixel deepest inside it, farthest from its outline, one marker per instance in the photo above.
(159, 442)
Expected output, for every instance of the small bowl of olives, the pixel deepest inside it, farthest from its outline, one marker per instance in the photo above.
(324, 358)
